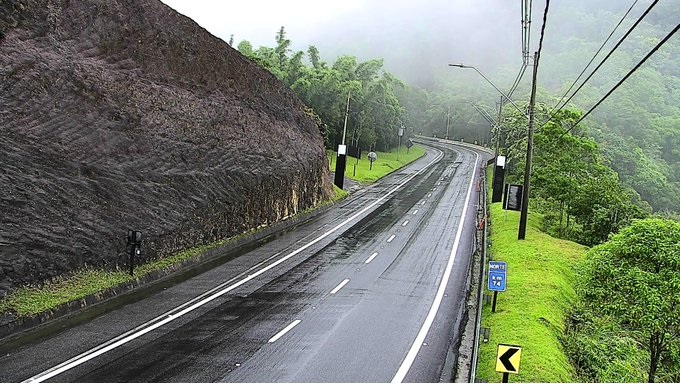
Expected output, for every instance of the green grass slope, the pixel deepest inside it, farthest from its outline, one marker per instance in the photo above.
(387, 163)
(531, 313)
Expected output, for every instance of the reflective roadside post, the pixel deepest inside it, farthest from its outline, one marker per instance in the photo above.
(134, 243)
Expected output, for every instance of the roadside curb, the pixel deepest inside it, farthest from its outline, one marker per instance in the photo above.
(15, 330)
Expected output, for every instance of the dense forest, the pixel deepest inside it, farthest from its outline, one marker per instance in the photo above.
(637, 129)
(633, 138)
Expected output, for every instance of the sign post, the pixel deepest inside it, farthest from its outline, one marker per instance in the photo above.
(340, 166)
(513, 197)
(372, 156)
(498, 179)
(400, 134)
(497, 279)
(508, 359)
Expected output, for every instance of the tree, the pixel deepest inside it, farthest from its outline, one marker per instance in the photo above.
(246, 48)
(634, 278)
(282, 48)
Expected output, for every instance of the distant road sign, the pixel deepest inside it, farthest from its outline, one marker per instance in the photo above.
(372, 156)
(409, 143)
(508, 358)
(513, 197)
(497, 275)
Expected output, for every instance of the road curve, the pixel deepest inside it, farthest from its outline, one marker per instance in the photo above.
(371, 290)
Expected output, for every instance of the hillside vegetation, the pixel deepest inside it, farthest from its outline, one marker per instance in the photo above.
(532, 312)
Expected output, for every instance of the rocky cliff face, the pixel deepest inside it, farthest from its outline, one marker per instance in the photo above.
(123, 114)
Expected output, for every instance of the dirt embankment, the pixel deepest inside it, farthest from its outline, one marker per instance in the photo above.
(122, 114)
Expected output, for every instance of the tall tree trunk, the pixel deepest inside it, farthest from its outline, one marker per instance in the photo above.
(656, 342)
(561, 218)
(568, 220)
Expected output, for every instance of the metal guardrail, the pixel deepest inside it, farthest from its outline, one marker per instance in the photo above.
(480, 285)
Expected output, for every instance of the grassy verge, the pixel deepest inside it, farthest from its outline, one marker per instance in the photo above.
(531, 313)
(387, 163)
(31, 301)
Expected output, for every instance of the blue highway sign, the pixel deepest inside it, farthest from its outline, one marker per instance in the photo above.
(497, 276)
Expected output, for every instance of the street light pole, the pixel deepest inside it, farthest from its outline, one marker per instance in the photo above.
(521, 235)
(448, 116)
(492, 84)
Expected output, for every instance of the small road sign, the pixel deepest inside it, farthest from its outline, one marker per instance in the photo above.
(497, 276)
(513, 197)
(508, 358)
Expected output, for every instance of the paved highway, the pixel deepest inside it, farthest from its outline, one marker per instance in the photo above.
(371, 290)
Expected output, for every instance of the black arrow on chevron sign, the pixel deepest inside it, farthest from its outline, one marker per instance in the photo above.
(505, 359)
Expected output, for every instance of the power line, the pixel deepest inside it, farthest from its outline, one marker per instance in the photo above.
(605, 59)
(520, 74)
(545, 18)
(594, 56)
(662, 42)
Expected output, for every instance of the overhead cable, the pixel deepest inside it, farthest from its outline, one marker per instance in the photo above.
(662, 42)
(594, 56)
(630, 30)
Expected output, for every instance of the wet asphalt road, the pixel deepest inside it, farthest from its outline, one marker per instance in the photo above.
(353, 295)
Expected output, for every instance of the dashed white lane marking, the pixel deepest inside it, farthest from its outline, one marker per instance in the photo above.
(404, 223)
(434, 189)
(391, 238)
(422, 202)
(339, 287)
(416, 211)
(420, 338)
(284, 331)
(429, 195)
(207, 297)
(370, 258)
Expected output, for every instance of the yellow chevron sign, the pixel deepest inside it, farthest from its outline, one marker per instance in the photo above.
(507, 358)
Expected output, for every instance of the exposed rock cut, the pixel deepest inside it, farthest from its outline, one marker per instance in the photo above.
(122, 114)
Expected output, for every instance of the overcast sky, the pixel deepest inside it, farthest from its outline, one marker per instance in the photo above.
(414, 37)
(258, 20)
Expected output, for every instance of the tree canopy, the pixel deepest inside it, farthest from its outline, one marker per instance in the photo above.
(633, 280)
(375, 114)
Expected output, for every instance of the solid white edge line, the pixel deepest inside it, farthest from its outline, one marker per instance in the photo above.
(284, 331)
(370, 258)
(109, 345)
(391, 238)
(420, 338)
(339, 287)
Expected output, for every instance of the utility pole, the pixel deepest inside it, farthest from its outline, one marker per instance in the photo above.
(448, 116)
(530, 147)
(498, 137)
(498, 128)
